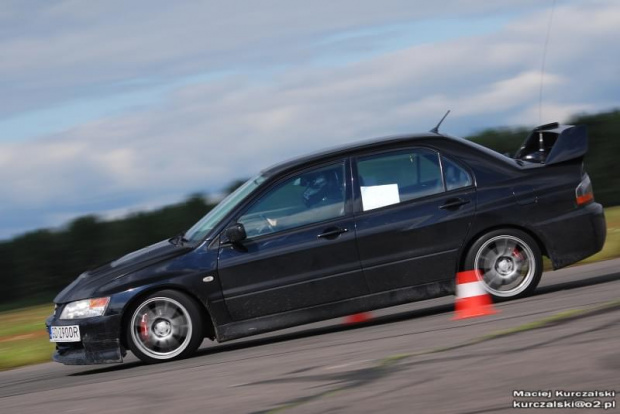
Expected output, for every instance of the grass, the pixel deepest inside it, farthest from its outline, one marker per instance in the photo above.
(23, 338)
(24, 341)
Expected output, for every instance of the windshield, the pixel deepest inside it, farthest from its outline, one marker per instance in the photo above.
(213, 217)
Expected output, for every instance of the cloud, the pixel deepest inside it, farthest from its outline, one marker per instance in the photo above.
(204, 133)
(70, 49)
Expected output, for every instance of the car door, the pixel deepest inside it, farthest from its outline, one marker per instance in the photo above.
(300, 249)
(414, 209)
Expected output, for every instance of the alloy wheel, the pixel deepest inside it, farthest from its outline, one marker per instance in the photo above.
(507, 265)
(161, 328)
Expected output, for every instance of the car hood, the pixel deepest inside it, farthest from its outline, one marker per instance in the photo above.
(87, 284)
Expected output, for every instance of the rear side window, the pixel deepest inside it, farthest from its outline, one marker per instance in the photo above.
(455, 175)
(399, 176)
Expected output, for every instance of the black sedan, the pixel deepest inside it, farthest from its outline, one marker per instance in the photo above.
(347, 230)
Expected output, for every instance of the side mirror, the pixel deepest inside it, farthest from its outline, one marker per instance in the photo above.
(235, 233)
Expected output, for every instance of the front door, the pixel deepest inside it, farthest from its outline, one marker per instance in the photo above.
(414, 210)
(300, 249)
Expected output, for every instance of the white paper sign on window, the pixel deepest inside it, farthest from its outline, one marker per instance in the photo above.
(379, 195)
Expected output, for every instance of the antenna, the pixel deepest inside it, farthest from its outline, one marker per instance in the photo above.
(436, 129)
(542, 67)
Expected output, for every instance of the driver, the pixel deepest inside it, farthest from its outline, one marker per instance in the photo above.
(322, 196)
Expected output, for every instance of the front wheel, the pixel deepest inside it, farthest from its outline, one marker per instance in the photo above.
(509, 262)
(165, 325)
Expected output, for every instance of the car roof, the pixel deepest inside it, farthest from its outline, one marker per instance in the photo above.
(377, 143)
(344, 151)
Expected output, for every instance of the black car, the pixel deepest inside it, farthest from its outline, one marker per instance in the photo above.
(347, 230)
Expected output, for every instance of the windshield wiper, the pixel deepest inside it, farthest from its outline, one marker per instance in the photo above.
(179, 239)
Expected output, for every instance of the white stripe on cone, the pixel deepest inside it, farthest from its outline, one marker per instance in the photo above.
(467, 290)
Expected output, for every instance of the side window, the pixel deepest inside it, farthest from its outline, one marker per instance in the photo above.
(310, 197)
(456, 176)
(399, 176)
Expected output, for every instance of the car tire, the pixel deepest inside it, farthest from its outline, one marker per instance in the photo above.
(509, 261)
(164, 326)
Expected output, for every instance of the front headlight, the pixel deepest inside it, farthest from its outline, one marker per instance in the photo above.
(86, 308)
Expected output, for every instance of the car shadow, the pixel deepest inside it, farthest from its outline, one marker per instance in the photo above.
(323, 330)
(380, 320)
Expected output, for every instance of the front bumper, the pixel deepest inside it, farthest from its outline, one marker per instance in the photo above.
(100, 343)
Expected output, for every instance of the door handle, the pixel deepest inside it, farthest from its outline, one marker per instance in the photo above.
(332, 233)
(453, 203)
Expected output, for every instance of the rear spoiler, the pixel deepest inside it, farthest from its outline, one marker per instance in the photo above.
(554, 143)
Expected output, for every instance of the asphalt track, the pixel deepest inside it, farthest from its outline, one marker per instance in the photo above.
(409, 359)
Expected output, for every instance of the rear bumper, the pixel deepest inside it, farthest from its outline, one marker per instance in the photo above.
(574, 236)
(100, 342)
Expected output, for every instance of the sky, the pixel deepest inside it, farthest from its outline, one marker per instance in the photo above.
(115, 107)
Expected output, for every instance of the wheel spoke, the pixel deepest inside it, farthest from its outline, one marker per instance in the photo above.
(492, 279)
(496, 282)
(509, 247)
(169, 312)
(151, 315)
(488, 259)
(179, 321)
(495, 249)
(180, 331)
(173, 342)
(162, 310)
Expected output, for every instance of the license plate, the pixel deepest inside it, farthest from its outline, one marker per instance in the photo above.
(69, 333)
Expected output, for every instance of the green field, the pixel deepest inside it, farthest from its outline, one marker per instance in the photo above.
(24, 341)
(23, 338)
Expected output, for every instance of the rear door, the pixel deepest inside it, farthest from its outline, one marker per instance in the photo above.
(414, 208)
(301, 249)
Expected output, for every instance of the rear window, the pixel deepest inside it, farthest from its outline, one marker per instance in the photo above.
(399, 176)
(455, 175)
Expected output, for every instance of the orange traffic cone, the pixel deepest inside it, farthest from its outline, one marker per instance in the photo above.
(358, 318)
(471, 298)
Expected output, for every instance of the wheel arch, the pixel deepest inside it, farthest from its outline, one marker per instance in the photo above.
(207, 321)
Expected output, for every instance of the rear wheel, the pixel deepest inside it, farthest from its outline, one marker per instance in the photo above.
(509, 262)
(164, 326)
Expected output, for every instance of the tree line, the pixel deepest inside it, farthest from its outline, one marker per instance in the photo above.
(37, 265)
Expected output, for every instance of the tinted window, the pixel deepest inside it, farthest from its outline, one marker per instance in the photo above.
(400, 176)
(456, 176)
(310, 197)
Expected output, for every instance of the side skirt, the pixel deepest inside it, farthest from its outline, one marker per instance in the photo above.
(289, 319)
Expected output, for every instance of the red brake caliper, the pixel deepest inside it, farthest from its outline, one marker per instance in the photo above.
(517, 254)
(144, 329)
